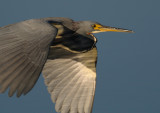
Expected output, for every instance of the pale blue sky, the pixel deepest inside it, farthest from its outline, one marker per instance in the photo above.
(128, 69)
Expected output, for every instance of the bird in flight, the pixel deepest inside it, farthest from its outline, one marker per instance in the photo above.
(62, 49)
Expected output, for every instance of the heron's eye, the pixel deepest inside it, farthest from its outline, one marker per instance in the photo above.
(94, 25)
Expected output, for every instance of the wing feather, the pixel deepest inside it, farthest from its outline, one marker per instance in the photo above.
(20, 76)
(66, 90)
(76, 99)
(67, 101)
(61, 79)
(15, 72)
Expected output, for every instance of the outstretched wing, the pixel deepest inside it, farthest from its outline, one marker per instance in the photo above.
(23, 51)
(71, 79)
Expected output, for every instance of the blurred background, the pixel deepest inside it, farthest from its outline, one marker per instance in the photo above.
(128, 69)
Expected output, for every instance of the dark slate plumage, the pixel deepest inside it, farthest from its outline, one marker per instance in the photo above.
(23, 52)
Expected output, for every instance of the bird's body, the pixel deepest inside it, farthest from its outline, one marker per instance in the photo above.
(66, 52)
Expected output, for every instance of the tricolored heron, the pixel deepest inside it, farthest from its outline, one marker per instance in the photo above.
(62, 49)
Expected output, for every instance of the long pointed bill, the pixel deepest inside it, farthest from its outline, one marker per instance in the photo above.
(100, 28)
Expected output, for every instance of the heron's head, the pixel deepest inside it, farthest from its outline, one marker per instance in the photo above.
(89, 27)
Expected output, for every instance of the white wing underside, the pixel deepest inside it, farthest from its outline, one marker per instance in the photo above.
(71, 83)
